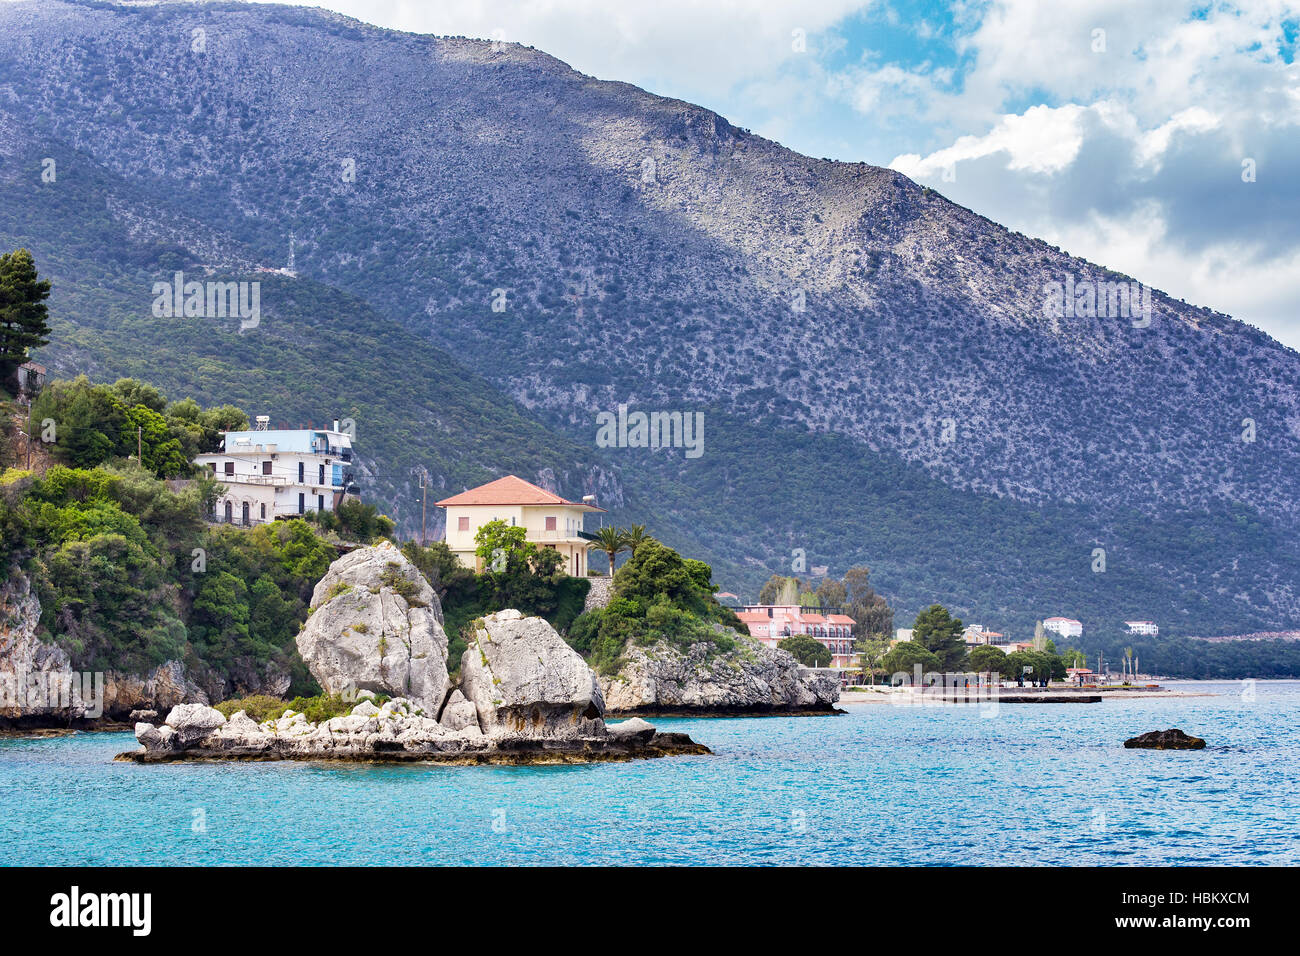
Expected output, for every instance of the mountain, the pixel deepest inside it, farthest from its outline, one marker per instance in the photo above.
(878, 379)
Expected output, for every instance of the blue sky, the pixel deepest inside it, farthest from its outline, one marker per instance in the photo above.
(1161, 138)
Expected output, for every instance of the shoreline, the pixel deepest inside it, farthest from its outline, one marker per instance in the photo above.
(1020, 695)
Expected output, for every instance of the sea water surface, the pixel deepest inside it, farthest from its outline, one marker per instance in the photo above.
(881, 785)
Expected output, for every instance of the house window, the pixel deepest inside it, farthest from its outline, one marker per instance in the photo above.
(230, 467)
(230, 512)
(266, 467)
(263, 510)
(320, 502)
(550, 524)
(302, 499)
(462, 524)
(322, 475)
(245, 515)
(301, 479)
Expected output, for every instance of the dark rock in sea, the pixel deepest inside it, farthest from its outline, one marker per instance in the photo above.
(1172, 739)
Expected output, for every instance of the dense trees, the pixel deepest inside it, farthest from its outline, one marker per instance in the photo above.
(806, 650)
(940, 633)
(23, 313)
(658, 595)
(904, 656)
(987, 659)
(94, 424)
(130, 576)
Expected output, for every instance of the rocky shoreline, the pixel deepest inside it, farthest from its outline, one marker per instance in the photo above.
(749, 681)
(375, 630)
(396, 732)
(756, 711)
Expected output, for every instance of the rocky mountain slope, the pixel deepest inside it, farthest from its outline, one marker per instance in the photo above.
(878, 377)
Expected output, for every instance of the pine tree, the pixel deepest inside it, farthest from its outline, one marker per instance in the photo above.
(22, 313)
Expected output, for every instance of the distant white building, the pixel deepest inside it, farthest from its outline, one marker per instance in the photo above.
(1064, 626)
(902, 634)
(1147, 628)
(280, 473)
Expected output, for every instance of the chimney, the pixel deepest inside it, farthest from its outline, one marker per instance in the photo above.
(336, 424)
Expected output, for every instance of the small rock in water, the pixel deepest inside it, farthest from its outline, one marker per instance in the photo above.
(1172, 739)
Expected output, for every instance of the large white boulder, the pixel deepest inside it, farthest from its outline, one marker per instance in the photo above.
(459, 713)
(192, 722)
(524, 680)
(376, 625)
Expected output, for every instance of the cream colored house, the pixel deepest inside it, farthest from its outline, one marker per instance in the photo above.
(548, 520)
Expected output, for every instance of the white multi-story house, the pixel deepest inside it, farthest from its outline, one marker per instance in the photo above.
(548, 520)
(1147, 628)
(279, 473)
(1064, 626)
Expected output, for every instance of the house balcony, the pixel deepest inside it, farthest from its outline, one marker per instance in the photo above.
(253, 479)
(574, 537)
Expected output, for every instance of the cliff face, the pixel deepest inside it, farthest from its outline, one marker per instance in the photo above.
(752, 679)
(39, 687)
(880, 374)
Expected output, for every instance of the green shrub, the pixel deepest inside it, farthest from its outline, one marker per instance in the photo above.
(262, 707)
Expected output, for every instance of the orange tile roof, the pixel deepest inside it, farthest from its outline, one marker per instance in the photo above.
(840, 619)
(810, 618)
(752, 617)
(510, 491)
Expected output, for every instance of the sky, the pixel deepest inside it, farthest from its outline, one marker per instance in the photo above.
(1160, 138)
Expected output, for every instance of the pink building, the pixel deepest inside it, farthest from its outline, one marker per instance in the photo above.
(772, 623)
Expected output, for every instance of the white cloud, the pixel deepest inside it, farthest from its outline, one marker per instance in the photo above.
(1042, 140)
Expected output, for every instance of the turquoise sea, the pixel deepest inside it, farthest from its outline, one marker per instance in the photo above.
(880, 785)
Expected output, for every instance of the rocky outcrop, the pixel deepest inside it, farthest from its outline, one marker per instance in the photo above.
(751, 679)
(398, 731)
(163, 688)
(459, 713)
(1172, 739)
(376, 624)
(40, 688)
(36, 679)
(599, 594)
(526, 697)
(524, 679)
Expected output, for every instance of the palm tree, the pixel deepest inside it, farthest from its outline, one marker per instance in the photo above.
(634, 537)
(610, 540)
